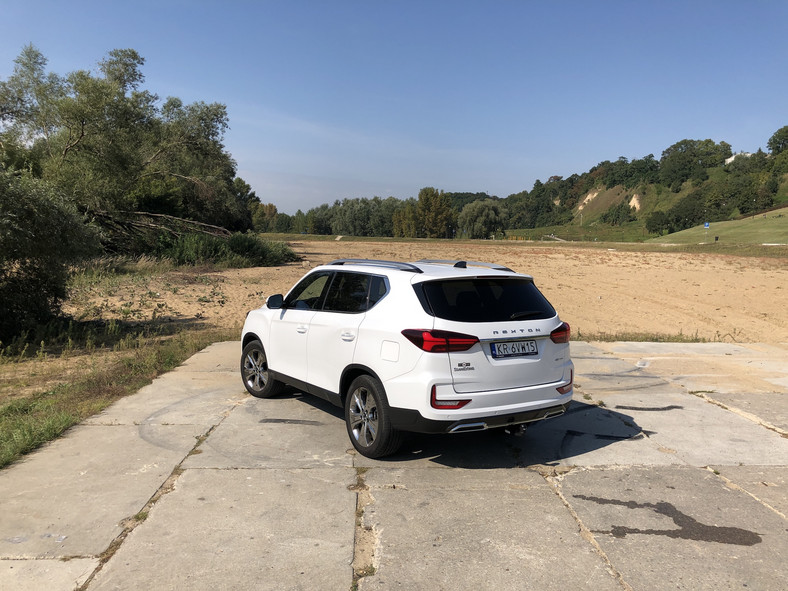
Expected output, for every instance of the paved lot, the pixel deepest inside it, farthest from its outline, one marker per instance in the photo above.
(669, 471)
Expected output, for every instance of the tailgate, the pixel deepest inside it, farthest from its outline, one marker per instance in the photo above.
(512, 360)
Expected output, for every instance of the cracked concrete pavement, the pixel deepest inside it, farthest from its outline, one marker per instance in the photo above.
(669, 471)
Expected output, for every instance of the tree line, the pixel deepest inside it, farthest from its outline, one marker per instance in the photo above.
(747, 183)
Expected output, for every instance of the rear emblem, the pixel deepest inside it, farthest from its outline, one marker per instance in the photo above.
(464, 367)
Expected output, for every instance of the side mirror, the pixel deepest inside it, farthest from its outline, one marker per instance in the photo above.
(274, 302)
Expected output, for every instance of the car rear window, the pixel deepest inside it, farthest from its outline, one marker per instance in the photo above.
(486, 299)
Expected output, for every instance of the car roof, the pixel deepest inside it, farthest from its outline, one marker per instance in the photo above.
(426, 269)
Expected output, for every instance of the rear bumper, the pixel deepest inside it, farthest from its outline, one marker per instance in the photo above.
(411, 420)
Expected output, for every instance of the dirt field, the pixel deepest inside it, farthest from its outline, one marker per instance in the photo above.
(598, 291)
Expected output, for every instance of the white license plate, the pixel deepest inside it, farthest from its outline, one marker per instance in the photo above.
(513, 349)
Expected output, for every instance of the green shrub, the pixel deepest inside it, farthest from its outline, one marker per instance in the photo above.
(40, 236)
(259, 252)
(196, 249)
(239, 250)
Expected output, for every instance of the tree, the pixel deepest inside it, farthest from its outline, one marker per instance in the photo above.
(263, 215)
(105, 142)
(352, 218)
(460, 200)
(481, 219)
(405, 222)
(688, 159)
(658, 222)
(28, 98)
(319, 219)
(618, 214)
(435, 214)
(283, 223)
(688, 212)
(543, 205)
(41, 234)
(779, 141)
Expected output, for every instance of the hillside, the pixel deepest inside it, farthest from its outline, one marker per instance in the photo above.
(764, 228)
(691, 206)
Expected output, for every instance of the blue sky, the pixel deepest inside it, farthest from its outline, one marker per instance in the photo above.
(343, 99)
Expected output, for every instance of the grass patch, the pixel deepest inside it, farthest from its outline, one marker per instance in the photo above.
(637, 337)
(763, 228)
(28, 423)
(743, 237)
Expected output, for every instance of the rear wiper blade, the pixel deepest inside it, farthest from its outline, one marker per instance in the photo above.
(528, 314)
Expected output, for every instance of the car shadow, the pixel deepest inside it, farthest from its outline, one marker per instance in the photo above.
(583, 429)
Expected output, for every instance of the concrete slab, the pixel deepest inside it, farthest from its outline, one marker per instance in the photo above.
(698, 432)
(597, 368)
(34, 575)
(751, 378)
(217, 357)
(283, 432)
(70, 498)
(767, 484)
(189, 395)
(628, 350)
(679, 528)
(242, 529)
(450, 529)
(769, 408)
(175, 399)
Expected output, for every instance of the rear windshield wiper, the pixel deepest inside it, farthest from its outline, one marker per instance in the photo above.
(527, 314)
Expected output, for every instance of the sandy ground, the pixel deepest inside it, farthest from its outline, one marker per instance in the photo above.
(598, 291)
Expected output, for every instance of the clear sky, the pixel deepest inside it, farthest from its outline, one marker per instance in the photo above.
(334, 99)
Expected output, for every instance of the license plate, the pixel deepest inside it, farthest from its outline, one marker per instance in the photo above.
(513, 349)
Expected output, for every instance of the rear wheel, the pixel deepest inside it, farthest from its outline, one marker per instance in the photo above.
(254, 370)
(367, 419)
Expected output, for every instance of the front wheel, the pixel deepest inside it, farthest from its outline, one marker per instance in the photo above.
(367, 419)
(254, 370)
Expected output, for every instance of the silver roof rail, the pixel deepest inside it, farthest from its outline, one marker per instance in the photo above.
(466, 264)
(378, 263)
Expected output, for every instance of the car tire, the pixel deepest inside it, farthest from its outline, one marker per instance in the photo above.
(255, 374)
(367, 419)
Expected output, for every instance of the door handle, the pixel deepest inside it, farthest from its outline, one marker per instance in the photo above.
(301, 329)
(348, 336)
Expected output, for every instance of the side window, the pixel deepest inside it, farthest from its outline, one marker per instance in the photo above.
(377, 289)
(349, 292)
(307, 294)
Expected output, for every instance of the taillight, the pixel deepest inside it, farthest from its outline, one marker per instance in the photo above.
(568, 387)
(446, 404)
(439, 341)
(561, 334)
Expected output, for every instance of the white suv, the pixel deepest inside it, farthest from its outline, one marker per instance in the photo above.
(430, 347)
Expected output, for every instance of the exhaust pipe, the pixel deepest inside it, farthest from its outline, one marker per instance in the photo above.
(468, 427)
(517, 428)
(554, 413)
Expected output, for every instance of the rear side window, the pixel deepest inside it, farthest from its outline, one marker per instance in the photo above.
(354, 292)
(486, 299)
